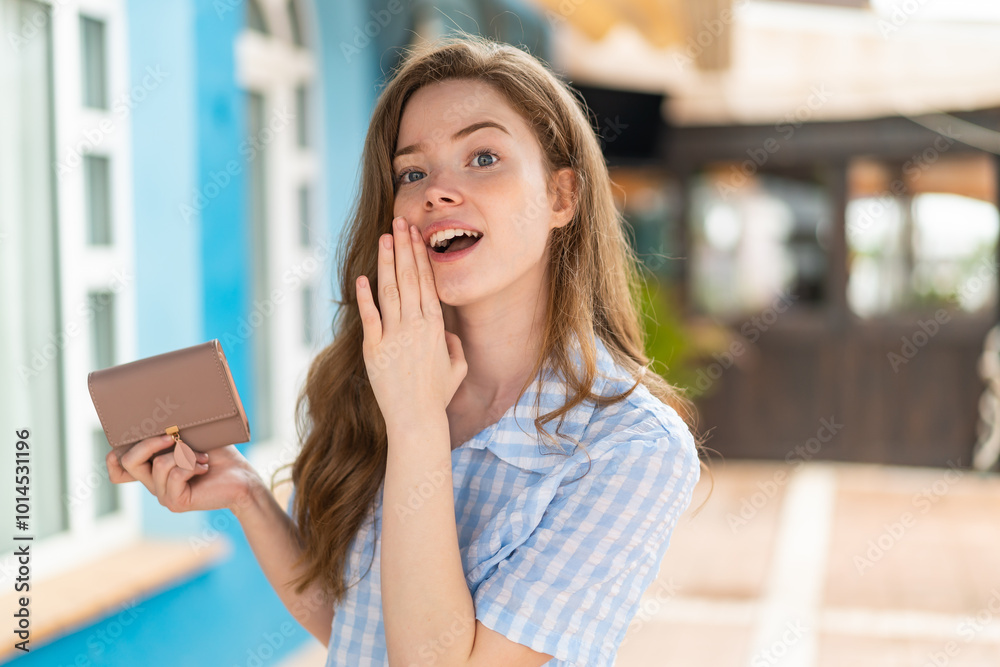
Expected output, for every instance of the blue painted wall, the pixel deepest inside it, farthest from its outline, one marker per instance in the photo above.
(193, 283)
(168, 271)
(168, 282)
(222, 189)
(348, 96)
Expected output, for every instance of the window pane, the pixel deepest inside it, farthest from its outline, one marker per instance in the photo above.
(649, 202)
(255, 17)
(105, 493)
(94, 59)
(954, 241)
(293, 23)
(259, 234)
(304, 214)
(307, 315)
(752, 244)
(97, 184)
(32, 333)
(102, 331)
(300, 115)
(922, 235)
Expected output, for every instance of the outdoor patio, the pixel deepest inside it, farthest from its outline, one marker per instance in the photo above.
(817, 564)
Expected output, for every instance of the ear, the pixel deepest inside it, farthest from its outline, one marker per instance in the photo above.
(564, 207)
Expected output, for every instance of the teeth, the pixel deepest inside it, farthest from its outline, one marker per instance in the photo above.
(438, 238)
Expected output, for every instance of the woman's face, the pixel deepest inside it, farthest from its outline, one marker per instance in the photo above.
(491, 179)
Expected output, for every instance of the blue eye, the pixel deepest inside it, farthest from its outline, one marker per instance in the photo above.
(402, 176)
(402, 179)
(485, 154)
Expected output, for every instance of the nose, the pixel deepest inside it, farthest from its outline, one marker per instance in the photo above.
(439, 193)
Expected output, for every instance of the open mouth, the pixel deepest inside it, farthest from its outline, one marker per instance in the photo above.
(456, 243)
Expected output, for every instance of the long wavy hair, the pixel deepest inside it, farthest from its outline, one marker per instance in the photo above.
(594, 289)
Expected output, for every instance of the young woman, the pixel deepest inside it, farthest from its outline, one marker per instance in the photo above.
(489, 289)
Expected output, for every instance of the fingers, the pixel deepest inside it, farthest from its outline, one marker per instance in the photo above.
(170, 480)
(149, 461)
(116, 473)
(388, 290)
(371, 320)
(136, 461)
(406, 269)
(429, 302)
(399, 288)
(176, 488)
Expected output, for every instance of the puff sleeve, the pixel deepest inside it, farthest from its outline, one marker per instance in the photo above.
(574, 585)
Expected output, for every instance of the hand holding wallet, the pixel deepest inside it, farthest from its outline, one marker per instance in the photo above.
(187, 393)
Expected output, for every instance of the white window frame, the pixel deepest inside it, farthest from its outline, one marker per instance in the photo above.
(274, 66)
(84, 268)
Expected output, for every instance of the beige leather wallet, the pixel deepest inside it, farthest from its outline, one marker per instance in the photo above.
(187, 393)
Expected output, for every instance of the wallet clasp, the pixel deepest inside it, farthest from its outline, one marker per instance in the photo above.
(183, 456)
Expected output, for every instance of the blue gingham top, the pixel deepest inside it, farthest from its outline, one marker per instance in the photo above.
(555, 564)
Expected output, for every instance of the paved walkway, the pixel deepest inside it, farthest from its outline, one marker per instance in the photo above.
(824, 565)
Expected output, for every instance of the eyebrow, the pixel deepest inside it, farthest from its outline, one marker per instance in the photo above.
(465, 131)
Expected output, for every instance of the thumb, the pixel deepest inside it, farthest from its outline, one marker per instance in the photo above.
(454, 344)
(459, 366)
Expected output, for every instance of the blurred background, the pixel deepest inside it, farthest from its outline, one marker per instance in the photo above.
(811, 187)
